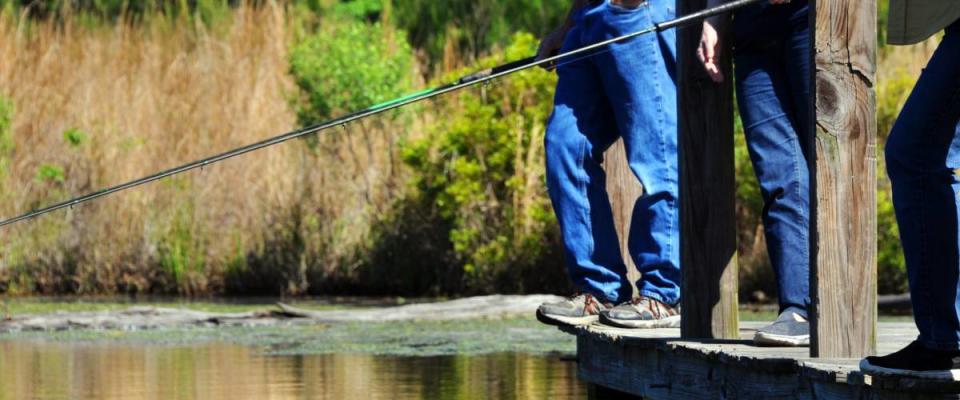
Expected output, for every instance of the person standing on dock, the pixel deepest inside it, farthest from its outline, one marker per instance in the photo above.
(771, 56)
(626, 90)
(923, 162)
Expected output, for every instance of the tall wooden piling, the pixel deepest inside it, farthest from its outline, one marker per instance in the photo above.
(843, 269)
(708, 235)
(624, 189)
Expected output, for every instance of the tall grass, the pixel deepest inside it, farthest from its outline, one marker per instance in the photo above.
(97, 105)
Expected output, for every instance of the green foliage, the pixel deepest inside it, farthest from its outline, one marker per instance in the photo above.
(474, 25)
(892, 93)
(74, 137)
(50, 173)
(482, 168)
(891, 266)
(6, 144)
(348, 67)
(749, 200)
(359, 9)
(883, 11)
(6, 136)
(182, 250)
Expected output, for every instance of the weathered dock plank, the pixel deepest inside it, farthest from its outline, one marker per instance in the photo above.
(659, 364)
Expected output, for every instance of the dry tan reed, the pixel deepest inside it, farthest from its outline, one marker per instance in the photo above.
(150, 96)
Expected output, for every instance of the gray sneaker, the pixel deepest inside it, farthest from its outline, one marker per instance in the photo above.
(642, 312)
(790, 329)
(579, 309)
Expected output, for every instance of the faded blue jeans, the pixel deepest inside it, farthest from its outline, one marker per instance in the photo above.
(771, 57)
(923, 158)
(626, 91)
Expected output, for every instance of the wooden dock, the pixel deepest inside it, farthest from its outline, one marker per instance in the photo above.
(659, 364)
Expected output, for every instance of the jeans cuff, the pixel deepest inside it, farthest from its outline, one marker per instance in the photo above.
(656, 296)
(597, 293)
(942, 346)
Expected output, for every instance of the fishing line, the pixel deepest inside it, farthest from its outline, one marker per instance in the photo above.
(464, 82)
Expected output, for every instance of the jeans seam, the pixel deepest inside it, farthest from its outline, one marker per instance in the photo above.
(581, 181)
(796, 174)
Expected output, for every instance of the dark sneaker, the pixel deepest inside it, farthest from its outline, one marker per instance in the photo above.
(579, 309)
(642, 312)
(916, 361)
(790, 329)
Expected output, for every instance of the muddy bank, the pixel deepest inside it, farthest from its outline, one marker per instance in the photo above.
(146, 318)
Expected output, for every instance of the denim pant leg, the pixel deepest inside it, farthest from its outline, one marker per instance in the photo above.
(579, 129)
(923, 157)
(772, 94)
(637, 77)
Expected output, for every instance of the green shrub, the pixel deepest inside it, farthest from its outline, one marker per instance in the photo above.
(182, 246)
(481, 167)
(891, 266)
(474, 25)
(348, 67)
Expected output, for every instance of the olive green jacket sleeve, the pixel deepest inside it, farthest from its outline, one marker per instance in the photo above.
(912, 21)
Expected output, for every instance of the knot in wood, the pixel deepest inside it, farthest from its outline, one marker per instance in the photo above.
(835, 105)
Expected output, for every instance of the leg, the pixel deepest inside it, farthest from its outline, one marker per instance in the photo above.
(769, 110)
(578, 131)
(923, 154)
(637, 77)
(923, 157)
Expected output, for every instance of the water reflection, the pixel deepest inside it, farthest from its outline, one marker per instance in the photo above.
(45, 370)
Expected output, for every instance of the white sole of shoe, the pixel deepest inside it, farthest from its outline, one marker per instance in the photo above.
(669, 322)
(568, 321)
(948, 375)
(769, 339)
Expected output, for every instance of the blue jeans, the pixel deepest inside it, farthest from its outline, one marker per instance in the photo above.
(771, 56)
(923, 157)
(625, 91)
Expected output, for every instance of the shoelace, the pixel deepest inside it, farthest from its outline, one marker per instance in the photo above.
(645, 303)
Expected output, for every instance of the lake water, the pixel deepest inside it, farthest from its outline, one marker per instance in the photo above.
(32, 369)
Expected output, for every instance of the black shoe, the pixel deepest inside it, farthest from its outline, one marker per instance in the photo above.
(790, 329)
(916, 361)
(576, 310)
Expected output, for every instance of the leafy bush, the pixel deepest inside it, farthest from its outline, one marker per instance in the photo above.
(348, 67)
(474, 26)
(482, 169)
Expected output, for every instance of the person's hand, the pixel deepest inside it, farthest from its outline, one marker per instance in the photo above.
(550, 45)
(709, 51)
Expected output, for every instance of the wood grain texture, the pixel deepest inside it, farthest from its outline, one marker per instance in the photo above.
(658, 364)
(623, 189)
(708, 236)
(843, 274)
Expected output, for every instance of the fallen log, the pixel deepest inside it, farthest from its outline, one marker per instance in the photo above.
(141, 318)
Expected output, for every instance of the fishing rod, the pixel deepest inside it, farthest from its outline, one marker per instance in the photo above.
(464, 82)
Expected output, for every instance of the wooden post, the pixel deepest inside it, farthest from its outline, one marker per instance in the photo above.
(708, 235)
(624, 189)
(843, 272)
